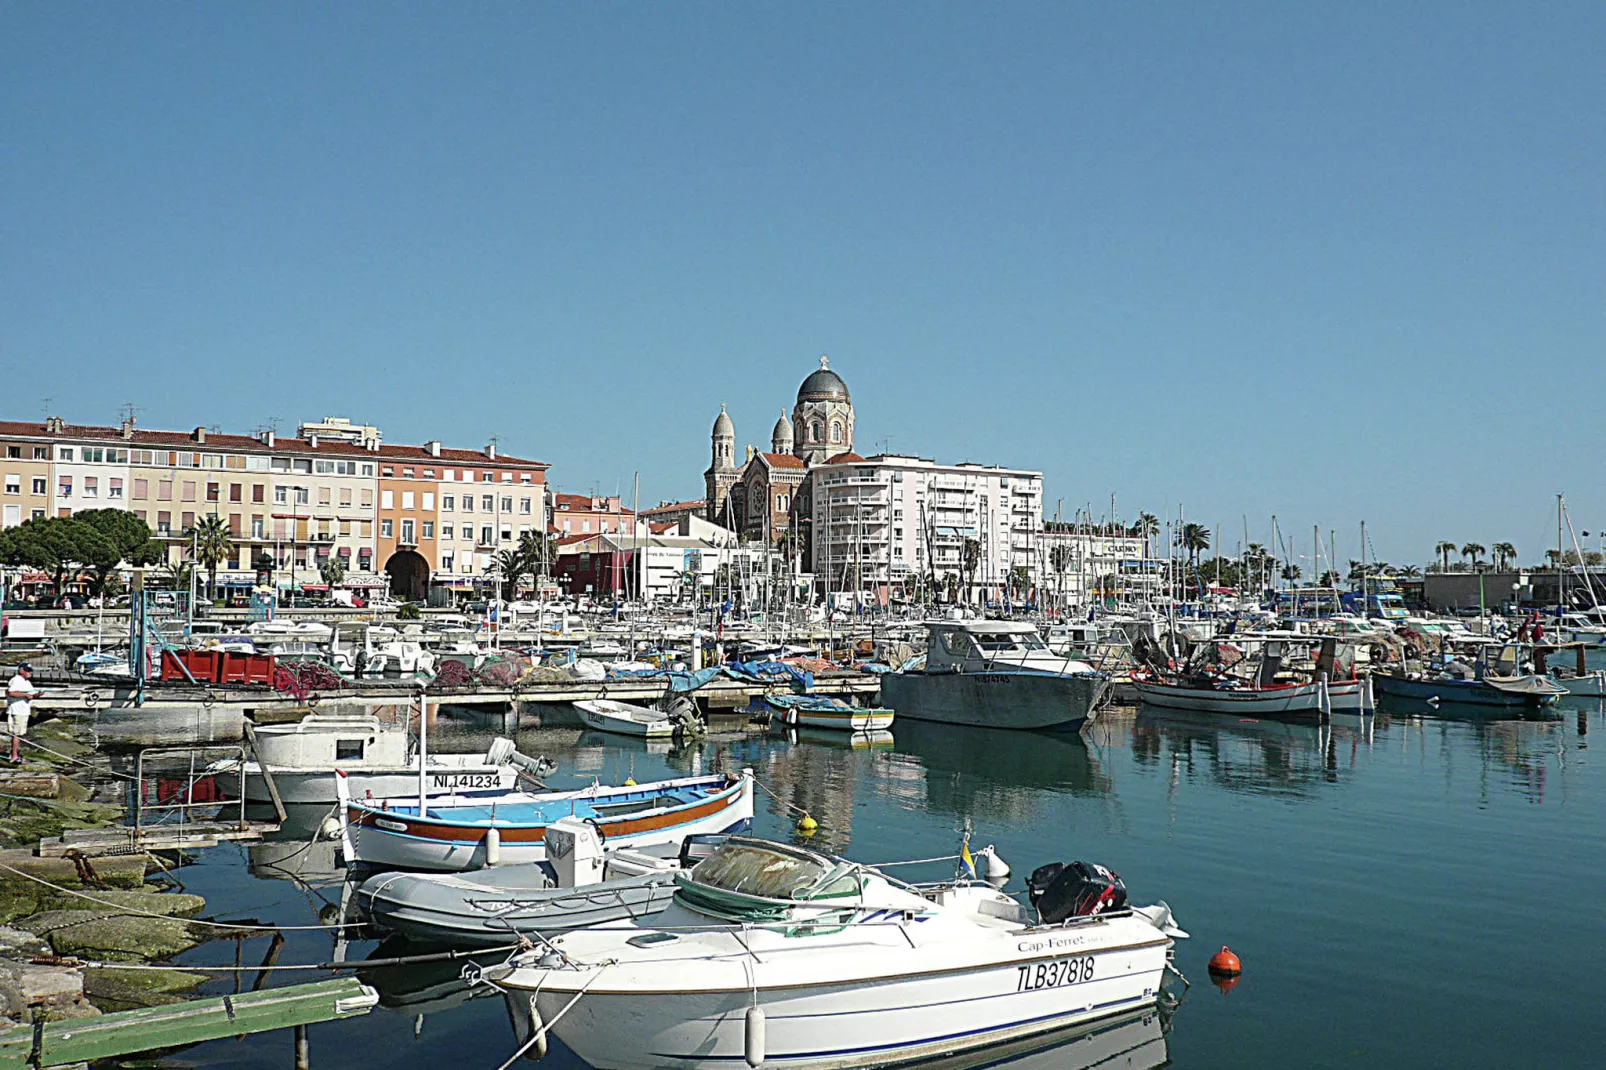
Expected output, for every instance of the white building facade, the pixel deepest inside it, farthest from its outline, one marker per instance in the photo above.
(891, 525)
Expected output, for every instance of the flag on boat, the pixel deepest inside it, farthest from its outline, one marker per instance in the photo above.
(967, 864)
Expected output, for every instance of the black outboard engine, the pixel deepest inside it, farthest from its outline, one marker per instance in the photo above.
(1077, 890)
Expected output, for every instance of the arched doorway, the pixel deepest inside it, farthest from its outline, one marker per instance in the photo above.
(409, 575)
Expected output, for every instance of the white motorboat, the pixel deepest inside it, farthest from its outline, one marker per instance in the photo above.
(786, 957)
(994, 674)
(375, 756)
(606, 715)
(1247, 699)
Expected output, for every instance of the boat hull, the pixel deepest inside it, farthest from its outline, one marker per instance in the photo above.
(995, 699)
(443, 777)
(393, 839)
(1459, 692)
(604, 717)
(1294, 701)
(842, 718)
(877, 1021)
(489, 909)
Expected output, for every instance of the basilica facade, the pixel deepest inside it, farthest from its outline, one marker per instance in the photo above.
(765, 495)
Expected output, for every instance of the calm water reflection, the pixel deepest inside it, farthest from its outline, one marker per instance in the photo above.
(1411, 890)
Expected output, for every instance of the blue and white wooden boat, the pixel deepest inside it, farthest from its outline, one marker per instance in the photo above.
(477, 828)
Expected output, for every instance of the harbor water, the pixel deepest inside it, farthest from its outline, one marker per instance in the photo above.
(1414, 889)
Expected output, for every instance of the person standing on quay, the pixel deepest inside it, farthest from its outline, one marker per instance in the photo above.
(20, 693)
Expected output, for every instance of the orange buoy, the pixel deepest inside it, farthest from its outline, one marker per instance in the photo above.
(1226, 963)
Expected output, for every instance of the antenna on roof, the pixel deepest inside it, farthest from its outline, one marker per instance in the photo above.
(48, 402)
(130, 412)
(216, 429)
(274, 422)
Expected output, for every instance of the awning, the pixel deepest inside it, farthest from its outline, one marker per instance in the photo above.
(364, 583)
(314, 586)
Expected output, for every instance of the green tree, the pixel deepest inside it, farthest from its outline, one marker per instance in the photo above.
(333, 570)
(1194, 538)
(1410, 571)
(970, 561)
(1147, 527)
(509, 566)
(1444, 550)
(174, 575)
(60, 546)
(1291, 572)
(211, 543)
(1503, 553)
(127, 536)
(1472, 550)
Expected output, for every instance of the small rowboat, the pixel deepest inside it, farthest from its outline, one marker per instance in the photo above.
(606, 715)
(474, 829)
(818, 711)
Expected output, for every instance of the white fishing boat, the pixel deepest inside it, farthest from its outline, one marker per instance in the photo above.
(781, 956)
(478, 828)
(376, 757)
(622, 718)
(1251, 700)
(994, 674)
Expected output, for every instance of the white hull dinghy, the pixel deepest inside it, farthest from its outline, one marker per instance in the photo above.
(580, 884)
(474, 829)
(780, 956)
(622, 718)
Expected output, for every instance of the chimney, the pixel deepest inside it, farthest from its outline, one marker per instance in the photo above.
(268, 439)
(128, 429)
(55, 425)
(434, 447)
(199, 434)
(490, 450)
(313, 439)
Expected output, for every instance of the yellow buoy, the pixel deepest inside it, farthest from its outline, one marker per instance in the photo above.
(630, 781)
(808, 824)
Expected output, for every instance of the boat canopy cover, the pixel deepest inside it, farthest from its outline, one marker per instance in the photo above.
(757, 879)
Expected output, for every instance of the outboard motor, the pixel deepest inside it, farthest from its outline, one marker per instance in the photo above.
(1077, 890)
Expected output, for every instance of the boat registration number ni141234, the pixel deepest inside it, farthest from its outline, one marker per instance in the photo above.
(1054, 974)
(462, 781)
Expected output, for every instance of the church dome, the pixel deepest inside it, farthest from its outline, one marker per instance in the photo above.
(723, 428)
(823, 385)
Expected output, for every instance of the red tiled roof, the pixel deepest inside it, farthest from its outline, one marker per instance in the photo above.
(846, 458)
(660, 529)
(581, 503)
(675, 507)
(251, 444)
(783, 460)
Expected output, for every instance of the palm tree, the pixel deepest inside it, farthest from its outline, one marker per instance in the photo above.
(1410, 571)
(1445, 549)
(1290, 572)
(970, 560)
(1472, 550)
(509, 566)
(1503, 552)
(333, 571)
(1148, 526)
(212, 543)
(1194, 538)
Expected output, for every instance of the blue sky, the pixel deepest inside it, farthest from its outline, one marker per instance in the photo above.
(1329, 262)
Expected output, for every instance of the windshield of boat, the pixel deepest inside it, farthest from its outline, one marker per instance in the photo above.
(772, 871)
(1009, 642)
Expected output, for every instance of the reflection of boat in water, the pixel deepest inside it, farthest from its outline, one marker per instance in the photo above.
(299, 850)
(1263, 757)
(423, 987)
(1131, 1042)
(830, 737)
(986, 773)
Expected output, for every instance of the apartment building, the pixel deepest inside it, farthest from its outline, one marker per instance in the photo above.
(445, 514)
(877, 523)
(385, 511)
(592, 514)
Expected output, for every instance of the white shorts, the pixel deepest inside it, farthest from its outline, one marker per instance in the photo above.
(17, 720)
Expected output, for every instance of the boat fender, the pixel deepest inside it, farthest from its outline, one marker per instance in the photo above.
(537, 1032)
(753, 1046)
(989, 866)
(493, 846)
